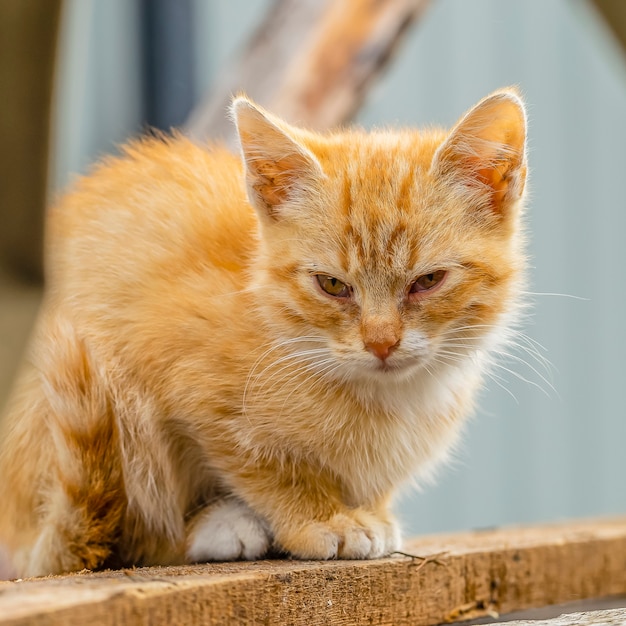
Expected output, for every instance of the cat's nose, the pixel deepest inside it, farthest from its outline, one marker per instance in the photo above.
(382, 349)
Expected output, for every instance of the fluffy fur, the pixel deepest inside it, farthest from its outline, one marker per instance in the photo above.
(237, 355)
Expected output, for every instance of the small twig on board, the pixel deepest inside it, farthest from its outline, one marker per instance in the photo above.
(425, 560)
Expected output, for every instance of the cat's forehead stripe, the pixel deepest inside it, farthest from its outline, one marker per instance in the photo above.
(377, 205)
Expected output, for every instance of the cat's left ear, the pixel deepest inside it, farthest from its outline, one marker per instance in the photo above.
(278, 167)
(486, 152)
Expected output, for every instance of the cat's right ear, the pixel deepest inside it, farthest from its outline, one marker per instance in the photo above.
(278, 168)
(485, 152)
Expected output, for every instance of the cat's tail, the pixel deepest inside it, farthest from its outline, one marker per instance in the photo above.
(68, 465)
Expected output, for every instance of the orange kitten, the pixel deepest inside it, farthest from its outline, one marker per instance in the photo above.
(235, 359)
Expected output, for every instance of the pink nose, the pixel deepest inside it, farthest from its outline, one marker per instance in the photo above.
(381, 349)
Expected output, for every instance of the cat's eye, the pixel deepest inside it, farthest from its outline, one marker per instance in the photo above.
(427, 281)
(332, 286)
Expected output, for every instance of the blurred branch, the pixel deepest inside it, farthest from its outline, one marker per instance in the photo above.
(614, 12)
(310, 62)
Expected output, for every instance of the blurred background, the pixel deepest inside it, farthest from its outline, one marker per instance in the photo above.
(78, 77)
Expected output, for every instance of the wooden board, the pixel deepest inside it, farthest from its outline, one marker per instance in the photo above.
(614, 617)
(451, 577)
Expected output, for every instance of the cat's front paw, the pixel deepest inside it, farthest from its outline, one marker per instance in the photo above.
(353, 535)
(226, 531)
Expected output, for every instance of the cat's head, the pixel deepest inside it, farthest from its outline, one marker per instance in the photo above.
(386, 252)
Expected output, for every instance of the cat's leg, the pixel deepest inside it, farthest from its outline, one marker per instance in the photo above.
(226, 530)
(308, 517)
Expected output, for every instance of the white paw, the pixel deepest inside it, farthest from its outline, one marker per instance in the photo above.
(6, 568)
(226, 531)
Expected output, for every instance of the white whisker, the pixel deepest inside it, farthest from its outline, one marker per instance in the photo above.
(252, 375)
(500, 382)
(520, 377)
(557, 295)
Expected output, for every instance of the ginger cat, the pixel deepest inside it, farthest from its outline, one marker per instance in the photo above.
(237, 356)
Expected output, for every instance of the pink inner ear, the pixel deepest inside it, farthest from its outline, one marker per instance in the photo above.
(497, 163)
(499, 178)
(486, 150)
(276, 161)
(275, 179)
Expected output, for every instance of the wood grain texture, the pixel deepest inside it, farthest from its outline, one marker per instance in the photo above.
(309, 62)
(456, 576)
(614, 617)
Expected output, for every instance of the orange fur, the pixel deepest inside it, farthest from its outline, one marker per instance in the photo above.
(192, 380)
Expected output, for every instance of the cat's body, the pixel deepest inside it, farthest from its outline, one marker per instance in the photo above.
(207, 380)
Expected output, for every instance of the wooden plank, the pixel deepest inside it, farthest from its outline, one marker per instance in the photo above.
(456, 576)
(552, 611)
(309, 62)
(614, 617)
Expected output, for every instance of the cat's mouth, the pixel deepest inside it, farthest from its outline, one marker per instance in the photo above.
(395, 366)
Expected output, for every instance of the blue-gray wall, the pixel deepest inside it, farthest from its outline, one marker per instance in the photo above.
(539, 456)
